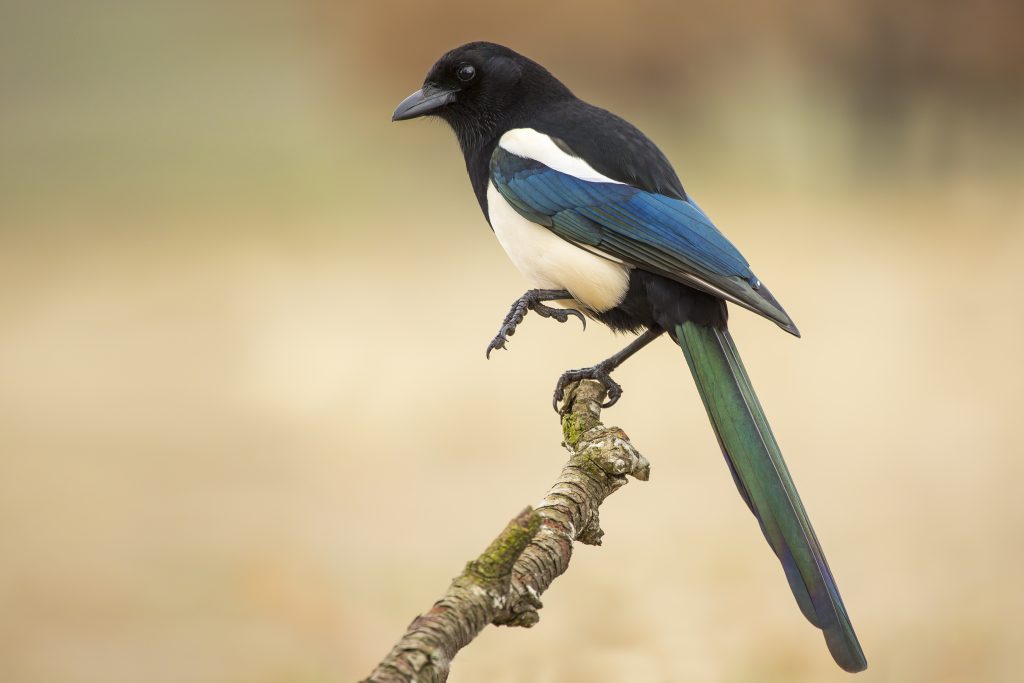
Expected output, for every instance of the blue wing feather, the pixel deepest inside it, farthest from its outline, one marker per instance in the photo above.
(648, 230)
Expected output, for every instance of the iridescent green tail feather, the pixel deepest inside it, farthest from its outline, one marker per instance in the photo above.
(765, 484)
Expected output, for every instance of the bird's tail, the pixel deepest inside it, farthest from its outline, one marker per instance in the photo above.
(764, 482)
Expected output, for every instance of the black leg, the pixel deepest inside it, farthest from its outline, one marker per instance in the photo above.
(531, 301)
(602, 371)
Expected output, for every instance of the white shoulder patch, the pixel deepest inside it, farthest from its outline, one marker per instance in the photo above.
(528, 143)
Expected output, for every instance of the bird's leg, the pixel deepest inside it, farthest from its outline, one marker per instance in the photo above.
(602, 371)
(531, 301)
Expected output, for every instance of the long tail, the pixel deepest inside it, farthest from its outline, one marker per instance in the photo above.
(764, 482)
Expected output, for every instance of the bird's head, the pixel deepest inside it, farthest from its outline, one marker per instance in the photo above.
(478, 89)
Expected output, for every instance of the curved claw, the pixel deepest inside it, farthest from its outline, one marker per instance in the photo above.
(560, 386)
(559, 395)
(506, 331)
(496, 343)
(614, 394)
(573, 311)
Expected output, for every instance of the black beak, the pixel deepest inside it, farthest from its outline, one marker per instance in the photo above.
(424, 101)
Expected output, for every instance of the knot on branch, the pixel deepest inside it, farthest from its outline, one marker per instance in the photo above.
(607, 448)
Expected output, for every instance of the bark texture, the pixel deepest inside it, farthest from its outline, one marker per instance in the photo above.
(503, 585)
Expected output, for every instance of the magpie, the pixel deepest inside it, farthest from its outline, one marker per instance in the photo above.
(594, 216)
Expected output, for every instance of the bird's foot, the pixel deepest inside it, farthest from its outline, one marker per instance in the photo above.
(600, 372)
(531, 301)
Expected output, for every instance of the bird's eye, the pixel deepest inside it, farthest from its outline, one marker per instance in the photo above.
(466, 72)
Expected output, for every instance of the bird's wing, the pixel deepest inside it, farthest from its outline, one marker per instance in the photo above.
(547, 184)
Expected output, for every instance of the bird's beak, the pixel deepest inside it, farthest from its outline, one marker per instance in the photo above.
(424, 101)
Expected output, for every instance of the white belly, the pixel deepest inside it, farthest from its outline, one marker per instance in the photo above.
(549, 262)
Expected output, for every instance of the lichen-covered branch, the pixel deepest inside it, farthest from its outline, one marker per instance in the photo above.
(503, 585)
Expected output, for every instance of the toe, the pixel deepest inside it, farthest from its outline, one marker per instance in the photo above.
(496, 343)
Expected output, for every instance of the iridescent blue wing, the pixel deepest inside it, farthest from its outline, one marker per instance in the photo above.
(651, 231)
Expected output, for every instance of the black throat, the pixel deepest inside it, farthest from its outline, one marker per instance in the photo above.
(478, 162)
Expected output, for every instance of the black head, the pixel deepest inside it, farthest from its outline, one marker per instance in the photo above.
(480, 89)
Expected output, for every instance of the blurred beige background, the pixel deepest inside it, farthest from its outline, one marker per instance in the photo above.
(247, 430)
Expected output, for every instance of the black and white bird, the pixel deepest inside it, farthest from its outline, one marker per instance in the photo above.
(594, 216)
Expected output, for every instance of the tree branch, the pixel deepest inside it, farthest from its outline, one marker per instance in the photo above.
(503, 585)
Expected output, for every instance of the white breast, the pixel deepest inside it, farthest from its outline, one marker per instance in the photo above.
(549, 262)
